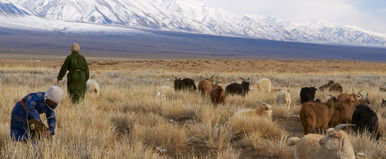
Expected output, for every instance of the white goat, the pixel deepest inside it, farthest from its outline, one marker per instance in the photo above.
(264, 112)
(264, 85)
(283, 97)
(335, 145)
(93, 86)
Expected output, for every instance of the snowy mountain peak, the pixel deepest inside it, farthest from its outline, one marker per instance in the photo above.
(192, 16)
(9, 9)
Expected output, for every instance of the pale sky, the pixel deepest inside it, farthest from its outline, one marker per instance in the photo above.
(366, 14)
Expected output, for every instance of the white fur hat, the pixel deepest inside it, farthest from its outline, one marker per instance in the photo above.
(54, 93)
(75, 47)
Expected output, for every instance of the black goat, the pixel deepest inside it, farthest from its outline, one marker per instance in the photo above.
(307, 94)
(366, 119)
(184, 84)
(239, 89)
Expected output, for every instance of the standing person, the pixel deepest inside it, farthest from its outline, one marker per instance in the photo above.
(77, 76)
(30, 107)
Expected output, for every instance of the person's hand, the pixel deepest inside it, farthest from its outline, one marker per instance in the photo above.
(58, 81)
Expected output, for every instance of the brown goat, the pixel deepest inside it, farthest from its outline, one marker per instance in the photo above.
(314, 115)
(217, 95)
(336, 88)
(344, 108)
(326, 86)
(37, 129)
(331, 86)
(205, 86)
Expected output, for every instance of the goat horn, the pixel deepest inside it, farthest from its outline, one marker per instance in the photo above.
(341, 126)
(264, 104)
(353, 90)
(242, 78)
(360, 94)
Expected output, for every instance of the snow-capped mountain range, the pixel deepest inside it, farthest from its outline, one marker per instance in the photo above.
(173, 15)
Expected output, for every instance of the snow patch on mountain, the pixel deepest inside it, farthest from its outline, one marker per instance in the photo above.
(9, 9)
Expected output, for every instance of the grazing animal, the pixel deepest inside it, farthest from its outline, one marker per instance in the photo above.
(344, 108)
(383, 105)
(307, 94)
(326, 86)
(263, 112)
(334, 145)
(185, 84)
(264, 85)
(366, 119)
(37, 129)
(336, 88)
(93, 86)
(217, 95)
(362, 99)
(177, 84)
(239, 89)
(205, 86)
(314, 115)
(331, 86)
(283, 97)
(382, 89)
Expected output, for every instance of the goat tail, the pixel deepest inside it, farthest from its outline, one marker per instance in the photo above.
(292, 141)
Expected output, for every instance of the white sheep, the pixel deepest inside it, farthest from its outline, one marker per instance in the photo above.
(93, 86)
(283, 97)
(264, 85)
(264, 112)
(335, 145)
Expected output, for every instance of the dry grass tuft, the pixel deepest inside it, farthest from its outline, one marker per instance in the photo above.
(228, 153)
(266, 128)
(123, 124)
(364, 144)
(213, 136)
(275, 148)
(280, 113)
(169, 137)
(180, 113)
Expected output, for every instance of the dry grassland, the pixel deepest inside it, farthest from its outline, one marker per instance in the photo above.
(127, 120)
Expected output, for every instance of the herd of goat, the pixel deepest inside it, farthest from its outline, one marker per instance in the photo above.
(343, 110)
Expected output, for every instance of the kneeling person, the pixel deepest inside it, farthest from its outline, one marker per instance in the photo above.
(29, 108)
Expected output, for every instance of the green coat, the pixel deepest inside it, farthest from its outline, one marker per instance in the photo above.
(77, 77)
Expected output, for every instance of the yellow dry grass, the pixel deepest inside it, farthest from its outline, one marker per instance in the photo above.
(127, 120)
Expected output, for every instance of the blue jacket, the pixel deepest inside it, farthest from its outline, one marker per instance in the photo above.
(35, 105)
